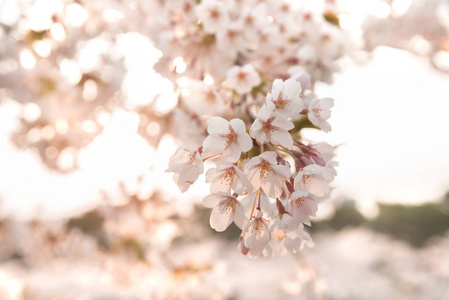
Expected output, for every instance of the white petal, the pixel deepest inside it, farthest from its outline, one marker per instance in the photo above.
(292, 109)
(254, 177)
(213, 144)
(239, 216)
(266, 110)
(282, 122)
(326, 103)
(292, 88)
(241, 183)
(282, 138)
(238, 126)
(276, 88)
(220, 219)
(217, 125)
(211, 200)
(282, 171)
(257, 235)
(272, 185)
(269, 156)
(212, 174)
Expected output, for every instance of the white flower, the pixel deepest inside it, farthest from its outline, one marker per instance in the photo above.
(319, 112)
(304, 79)
(256, 234)
(242, 79)
(272, 127)
(231, 38)
(263, 171)
(213, 14)
(330, 165)
(267, 205)
(226, 209)
(302, 205)
(187, 165)
(315, 179)
(326, 150)
(285, 96)
(227, 138)
(285, 222)
(227, 176)
(254, 18)
(291, 241)
(202, 99)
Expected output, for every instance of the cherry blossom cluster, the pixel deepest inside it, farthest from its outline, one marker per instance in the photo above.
(265, 179)
(277, 37)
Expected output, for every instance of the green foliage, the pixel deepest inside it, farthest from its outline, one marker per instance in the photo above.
(414, 224)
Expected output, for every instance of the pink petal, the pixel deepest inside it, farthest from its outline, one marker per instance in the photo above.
(220, 219)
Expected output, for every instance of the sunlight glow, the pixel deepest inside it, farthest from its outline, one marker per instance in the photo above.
(27, 59)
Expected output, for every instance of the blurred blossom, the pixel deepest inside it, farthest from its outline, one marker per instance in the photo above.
(95, 96)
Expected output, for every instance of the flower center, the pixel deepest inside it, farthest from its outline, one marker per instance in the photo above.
(279, 235)
(257, 226)
(264, 169)
(298, 202)
(241, 76)
(316, 111)
(267, 127)
(306, 179)
(230, 137)
(192, 159)
(215, 14)
(229, 205)
(229, 175)
(281, 101)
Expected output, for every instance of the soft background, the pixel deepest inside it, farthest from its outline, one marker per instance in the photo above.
(73, 225)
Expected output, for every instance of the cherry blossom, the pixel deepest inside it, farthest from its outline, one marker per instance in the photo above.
(272, 127)
(319, 113)
(226, 138)
(302, 205)
(290, 241)
(285, 96)
(226, 176)
(256, 234)
(303, 78)
(187, 165)
(213, 14)
(226, 209)
(242, 79)
(264, 172)
(315, 179)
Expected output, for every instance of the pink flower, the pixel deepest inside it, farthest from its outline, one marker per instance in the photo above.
(272, 127)
(314, 179)
(227, 176)
(256, 234)
(187, 165)
(290, 241)
(226, 209)
(214, 15)
(226, 138)
(285, 97)
(302, 205)
(303, 78)
(263, 171)
(319, 113)
(242, 79)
